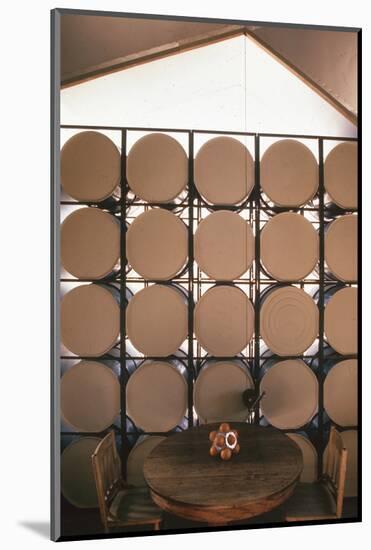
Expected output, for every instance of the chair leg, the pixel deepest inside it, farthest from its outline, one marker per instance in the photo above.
(157, 525)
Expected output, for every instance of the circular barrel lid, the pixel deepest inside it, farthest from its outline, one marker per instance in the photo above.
(157, 244)
(289, 173)
(137, 456)
(224, 246)
(289, 247)
(341, 247)
(288, 321)
(90, 396)
(90, 166)
(218, 391)
(224, 171)
(77, 477)
(340, 393)
(291, 394)
(157, 320)
(309, 473)
(340, 175)
(224, 321)
(156, 396)
(90, 320)
(350, 443)
(90, 243)
(341, 321)
(157, 168)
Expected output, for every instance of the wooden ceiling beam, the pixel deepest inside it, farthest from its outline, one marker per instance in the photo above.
(350, 115)
(138, 58)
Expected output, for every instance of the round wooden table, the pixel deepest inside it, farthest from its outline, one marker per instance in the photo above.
(186, 481)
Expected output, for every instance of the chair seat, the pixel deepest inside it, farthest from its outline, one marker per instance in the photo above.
(134, 504)
(310, 501)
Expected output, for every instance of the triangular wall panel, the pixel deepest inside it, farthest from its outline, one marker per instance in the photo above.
(230, 85)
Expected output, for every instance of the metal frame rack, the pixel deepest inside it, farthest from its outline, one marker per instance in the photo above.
(192, 207)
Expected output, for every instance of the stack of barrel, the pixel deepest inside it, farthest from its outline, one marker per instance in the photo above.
(231, 278)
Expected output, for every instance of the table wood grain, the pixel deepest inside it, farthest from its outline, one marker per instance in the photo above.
(186, 481)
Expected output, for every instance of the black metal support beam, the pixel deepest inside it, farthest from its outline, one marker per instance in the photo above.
(191, 196)
(123, 372)
(321, 307)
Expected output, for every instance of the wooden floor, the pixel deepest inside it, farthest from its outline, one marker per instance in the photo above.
(79, 522)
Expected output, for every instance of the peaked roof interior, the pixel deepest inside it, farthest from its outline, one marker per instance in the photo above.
(92, 46)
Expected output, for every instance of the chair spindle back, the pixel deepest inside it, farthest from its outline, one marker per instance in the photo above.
(107, 473)
(335, 468)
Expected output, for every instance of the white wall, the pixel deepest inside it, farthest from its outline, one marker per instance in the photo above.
(230, 85)
(202, 88)
(277, 101)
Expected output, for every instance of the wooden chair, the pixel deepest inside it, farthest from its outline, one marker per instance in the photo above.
(323, 499)
(120, 505)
